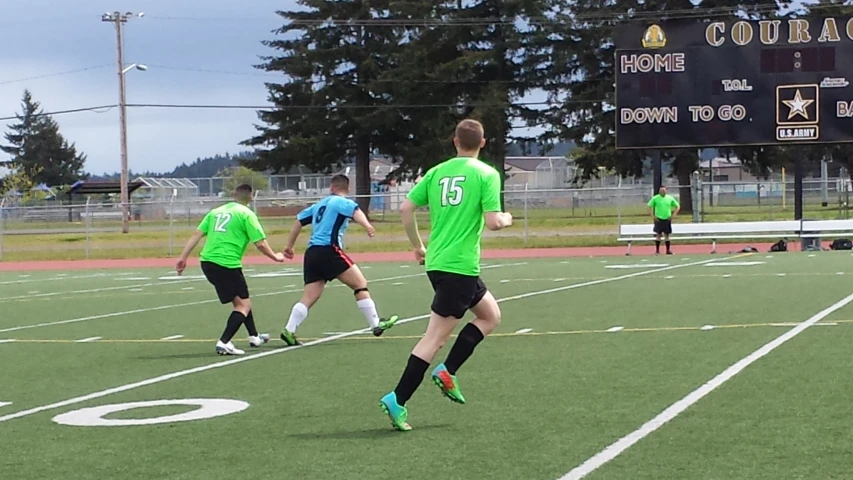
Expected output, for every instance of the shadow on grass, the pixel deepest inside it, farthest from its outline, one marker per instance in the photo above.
(373, 433)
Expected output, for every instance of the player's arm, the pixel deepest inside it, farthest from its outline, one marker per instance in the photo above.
(293, 235)
(418, 197)
(196, 237)
(305, 217)
(677, 207)
(490, 202)
(264, 247)
(651, 206)
(360, 218)
(259, 238)
(410, 223)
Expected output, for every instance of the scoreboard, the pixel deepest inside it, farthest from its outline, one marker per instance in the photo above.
(738, 82)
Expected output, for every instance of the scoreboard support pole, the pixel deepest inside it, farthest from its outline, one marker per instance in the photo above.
(798, 188)
(658, 170)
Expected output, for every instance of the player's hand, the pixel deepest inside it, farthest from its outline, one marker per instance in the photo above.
(180, 266)
(507, 219)
(371, 231)
(288, 253)
(420, 255)
(279, 258)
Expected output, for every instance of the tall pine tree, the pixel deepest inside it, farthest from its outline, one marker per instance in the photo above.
(329, 108)
(37, 149)
(477, 59)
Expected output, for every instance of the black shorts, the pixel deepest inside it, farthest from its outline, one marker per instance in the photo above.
(455, 294)
(228, 282)
(663, 226)
(324, 263)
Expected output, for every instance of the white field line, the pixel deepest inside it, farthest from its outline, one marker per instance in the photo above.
(626, 442)
(173, 337)
(93, 290)
(211, 366)
(90, 339)
(57, 278)
(200, 302)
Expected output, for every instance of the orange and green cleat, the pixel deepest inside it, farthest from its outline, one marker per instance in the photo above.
(448, 384)
(398, 414)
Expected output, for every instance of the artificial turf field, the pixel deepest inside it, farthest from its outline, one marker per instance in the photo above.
(540, 403)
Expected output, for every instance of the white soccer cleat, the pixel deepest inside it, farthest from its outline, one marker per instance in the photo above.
(228, 349)
(261, 339)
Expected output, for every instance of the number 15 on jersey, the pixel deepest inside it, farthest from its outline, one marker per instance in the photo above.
(451, 191)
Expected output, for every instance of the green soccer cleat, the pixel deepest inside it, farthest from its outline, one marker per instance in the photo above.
(385, 324)
(289, 338)
(448, 384)
(396, 412)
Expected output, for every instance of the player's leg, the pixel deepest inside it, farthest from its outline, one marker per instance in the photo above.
(667, 231)
(658, 231)
(255, 339)
(299, 312)
(226, 282)
(448, 306)
(354, 279)
(314, 277)
(394, 403)
(487, 316)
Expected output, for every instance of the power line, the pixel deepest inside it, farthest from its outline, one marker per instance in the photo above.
(374, 81)
(58, 74)
(105, 108)
(207, 70)
(627, 15)
(354, 107)
(180, 106)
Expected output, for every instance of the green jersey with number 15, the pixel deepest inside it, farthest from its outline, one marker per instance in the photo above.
(229, 229)
(458, 191)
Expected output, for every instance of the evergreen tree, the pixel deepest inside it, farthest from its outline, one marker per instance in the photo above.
(36, 147)
(481, 58)
(330, 108)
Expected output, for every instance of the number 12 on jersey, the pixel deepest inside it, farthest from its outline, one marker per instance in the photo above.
(451, 191)
(222, 220)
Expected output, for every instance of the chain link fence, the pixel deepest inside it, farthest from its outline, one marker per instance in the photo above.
(92, 229)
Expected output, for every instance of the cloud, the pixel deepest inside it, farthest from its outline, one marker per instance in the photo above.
(72, 37)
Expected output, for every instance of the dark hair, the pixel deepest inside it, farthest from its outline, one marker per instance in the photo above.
(243, 190)
(340, 181)
(470, 134)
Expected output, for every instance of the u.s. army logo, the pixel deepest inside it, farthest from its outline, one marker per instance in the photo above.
(797, 112)
(654, 37)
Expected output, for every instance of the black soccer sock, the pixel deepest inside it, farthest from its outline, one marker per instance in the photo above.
(668, 245)
(412, 377)
(250, 325)
(657, 246)
(233, 326)
(468, 339)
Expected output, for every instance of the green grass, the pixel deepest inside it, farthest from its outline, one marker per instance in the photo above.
(539, 403)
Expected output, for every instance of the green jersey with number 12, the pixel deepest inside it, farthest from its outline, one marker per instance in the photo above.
(229, 229)
(458, 191)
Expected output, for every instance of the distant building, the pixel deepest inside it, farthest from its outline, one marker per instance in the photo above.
(722, 169)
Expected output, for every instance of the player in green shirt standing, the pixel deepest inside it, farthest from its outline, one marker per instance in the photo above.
(463, 195)
(663, 207)
(229, 229)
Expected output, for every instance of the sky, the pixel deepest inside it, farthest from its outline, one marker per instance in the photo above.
(47, 38)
